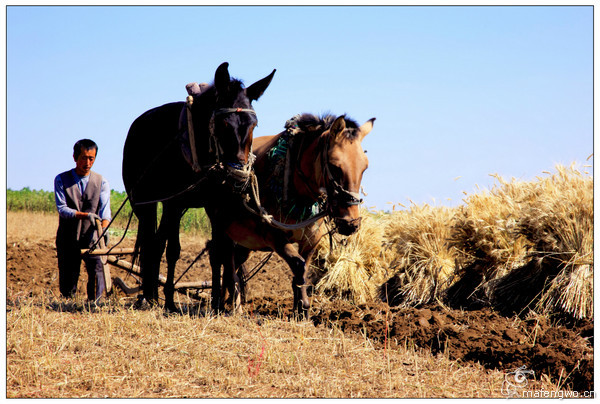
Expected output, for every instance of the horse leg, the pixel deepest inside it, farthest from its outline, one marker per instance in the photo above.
(307, 251)
(221, 250)
(169, 233)
(216, 261)
(149, 256)
(231, 282)
(241, 255)
(221, 254)
(290, 254)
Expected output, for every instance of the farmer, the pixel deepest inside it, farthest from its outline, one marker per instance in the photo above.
(82, 197)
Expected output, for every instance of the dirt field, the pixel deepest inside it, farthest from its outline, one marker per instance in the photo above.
(563, 353)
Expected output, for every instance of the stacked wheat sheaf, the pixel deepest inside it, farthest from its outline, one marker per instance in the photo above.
(520, 247)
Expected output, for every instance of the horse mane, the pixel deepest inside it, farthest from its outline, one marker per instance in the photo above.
(235, 87)
(312, 125)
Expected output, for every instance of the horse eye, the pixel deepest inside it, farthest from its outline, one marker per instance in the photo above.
(335, 170)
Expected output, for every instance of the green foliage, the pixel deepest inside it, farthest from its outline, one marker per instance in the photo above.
(194, 220)
(31, 200)
(121, 218)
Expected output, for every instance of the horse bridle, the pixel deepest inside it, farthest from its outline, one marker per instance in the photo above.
(347, 198)
(222, 111)
(214, 145)
(240, 172)
(336, 193)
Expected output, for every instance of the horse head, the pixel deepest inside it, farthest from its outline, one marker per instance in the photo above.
(343, 167)
(233, 121)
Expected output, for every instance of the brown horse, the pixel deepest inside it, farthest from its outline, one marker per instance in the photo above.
(311, 170)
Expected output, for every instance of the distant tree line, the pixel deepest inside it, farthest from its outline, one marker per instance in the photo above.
(26, 199)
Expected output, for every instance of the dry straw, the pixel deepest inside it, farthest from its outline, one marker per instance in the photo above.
(522, 245)
(113, 352)
(560, 225)
(354, 266)
(484, 239)
(416, 242)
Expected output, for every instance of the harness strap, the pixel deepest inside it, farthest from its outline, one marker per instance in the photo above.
(262, 212)
(350, 198)
(232, 110)
(190, 122)
(257, 268)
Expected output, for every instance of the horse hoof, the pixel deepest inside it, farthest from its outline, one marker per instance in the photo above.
(217, 309)
(172, 309)
(301, 312)
(301, 315)
(143, 304)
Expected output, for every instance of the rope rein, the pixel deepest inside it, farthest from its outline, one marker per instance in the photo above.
(268, 218)
(190, 266)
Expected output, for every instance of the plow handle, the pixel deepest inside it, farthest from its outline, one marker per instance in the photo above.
(107, 278)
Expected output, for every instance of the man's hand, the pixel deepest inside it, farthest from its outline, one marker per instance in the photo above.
(92, 217)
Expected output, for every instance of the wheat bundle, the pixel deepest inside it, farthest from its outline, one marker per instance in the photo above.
(519, 245)
(418, 252)
(484, 228)
(559, 224)
(355, 267)
(484, 238)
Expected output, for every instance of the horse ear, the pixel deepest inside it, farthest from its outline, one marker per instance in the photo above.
(257, 89)
(365, 128)
(338, 127)
(222, 77)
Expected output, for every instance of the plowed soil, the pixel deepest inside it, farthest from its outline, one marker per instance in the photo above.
(562, 352)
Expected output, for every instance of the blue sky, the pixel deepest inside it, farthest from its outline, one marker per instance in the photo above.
(459, 93)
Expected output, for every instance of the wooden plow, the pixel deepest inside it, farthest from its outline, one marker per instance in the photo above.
(114, 256)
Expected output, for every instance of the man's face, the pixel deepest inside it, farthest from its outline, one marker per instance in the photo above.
(85, 161)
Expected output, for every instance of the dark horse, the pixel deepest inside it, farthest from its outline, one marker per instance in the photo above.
(157, 166)
(312, 170)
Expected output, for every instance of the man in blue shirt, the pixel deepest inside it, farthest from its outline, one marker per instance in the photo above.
(82, 197)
